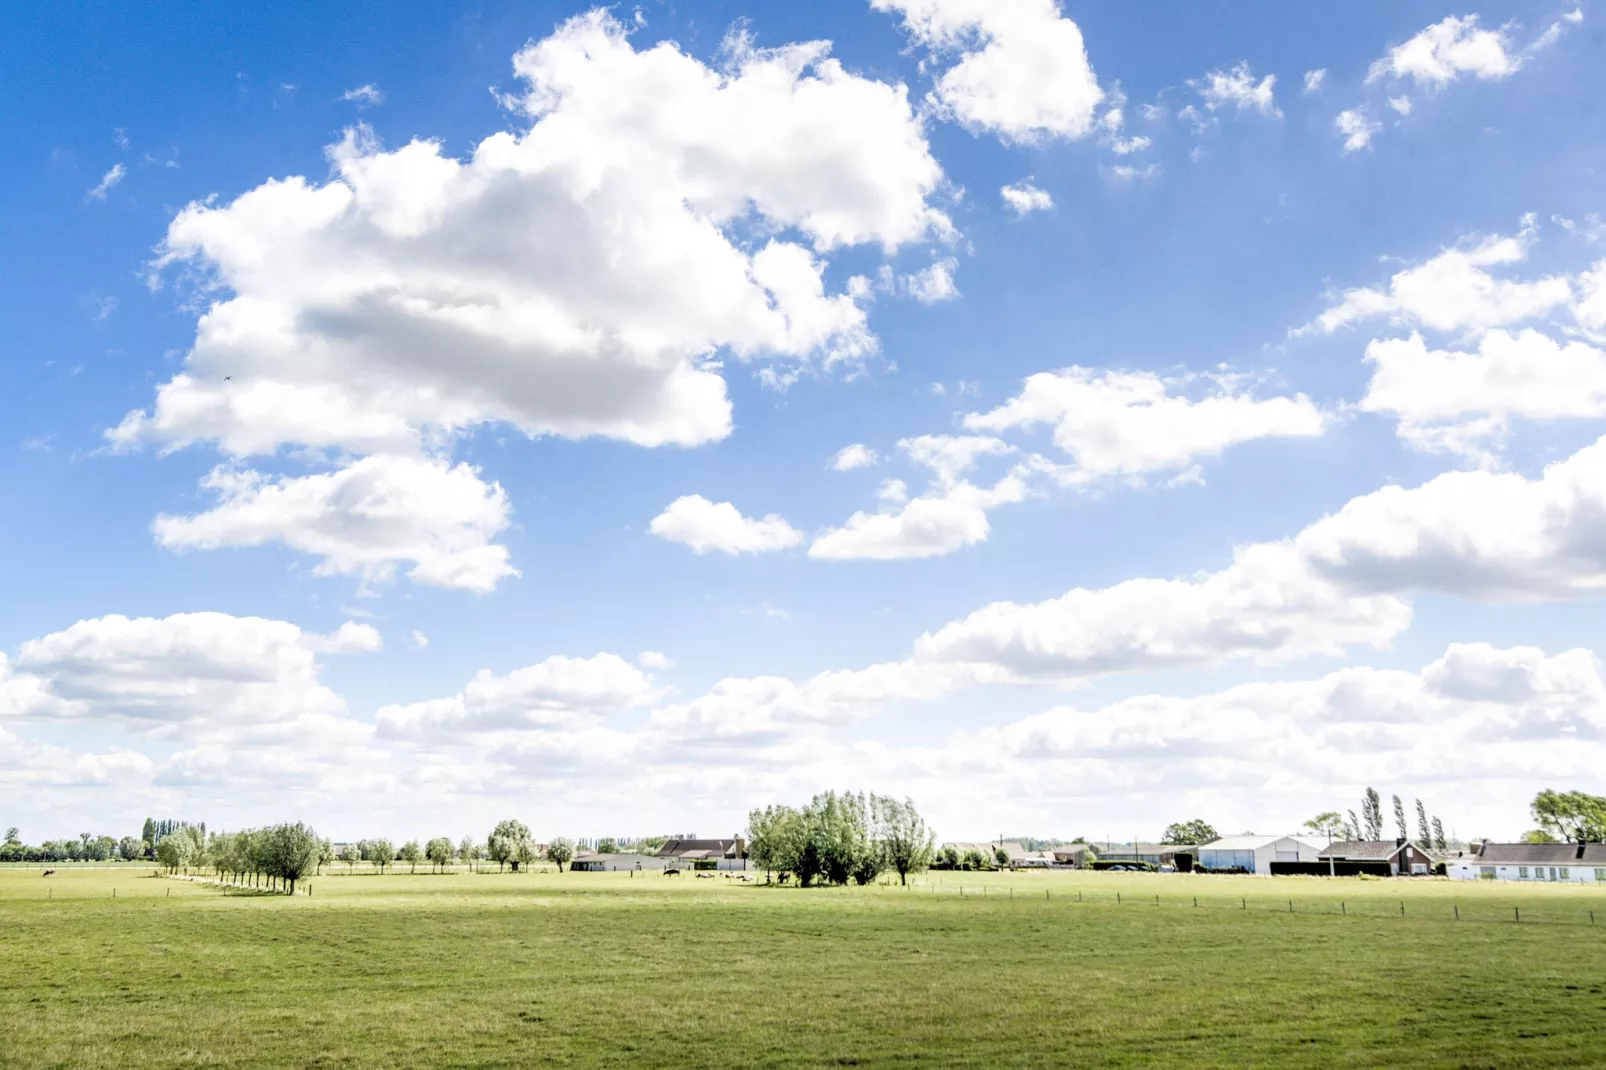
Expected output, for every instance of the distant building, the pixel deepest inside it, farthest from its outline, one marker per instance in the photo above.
(1393, 858)
(1577, 862)
(616, 862)
(705, 854)
(1074, 854)
(1153, 854)
(1255, 854)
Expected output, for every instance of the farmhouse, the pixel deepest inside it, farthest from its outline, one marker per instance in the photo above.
(1255, 854)
(705, 854)
(1577, 862)
(1378, 858)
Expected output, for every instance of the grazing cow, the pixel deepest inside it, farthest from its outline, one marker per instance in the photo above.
(671, 872)
(49, 873)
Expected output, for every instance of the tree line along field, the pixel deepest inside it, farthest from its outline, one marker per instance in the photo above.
(578, 969)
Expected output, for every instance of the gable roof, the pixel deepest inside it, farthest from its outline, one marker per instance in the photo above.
(1549, 854)
(695, 849)
(1254, 843)
(1367, 850)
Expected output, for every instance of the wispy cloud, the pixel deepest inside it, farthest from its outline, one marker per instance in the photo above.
(364, 96)
(107, 181)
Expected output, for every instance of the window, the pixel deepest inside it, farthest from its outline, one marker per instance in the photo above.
(1600, 874)
(1522, 872)
(1552, 872)
(1565, 874)
(1486, 872)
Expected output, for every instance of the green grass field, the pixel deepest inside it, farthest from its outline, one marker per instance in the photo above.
(490, 970)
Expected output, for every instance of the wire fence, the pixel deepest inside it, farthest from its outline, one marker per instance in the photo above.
(1427, 908)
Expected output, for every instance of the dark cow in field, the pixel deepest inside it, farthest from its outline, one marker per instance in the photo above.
(671, 872)
(49, 873)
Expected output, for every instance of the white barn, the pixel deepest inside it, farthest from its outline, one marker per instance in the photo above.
(1255, 854)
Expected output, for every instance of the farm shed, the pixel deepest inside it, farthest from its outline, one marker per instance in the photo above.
(705, 854)
(593, 862)
(1255, 854)
(1577, 862)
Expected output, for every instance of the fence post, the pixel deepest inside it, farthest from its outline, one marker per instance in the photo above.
(1402, 908)
(1516, 913)
(1245, 902)
(1457, 911)
(1344, 911)
(1290, 906)
(1196, 901)
(1117, 898)
(1156, 900)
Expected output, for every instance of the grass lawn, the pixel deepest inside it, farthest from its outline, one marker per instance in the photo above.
(500, 970)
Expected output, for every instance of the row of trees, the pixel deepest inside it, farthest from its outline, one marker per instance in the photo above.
(838, 838)
(1369, 823)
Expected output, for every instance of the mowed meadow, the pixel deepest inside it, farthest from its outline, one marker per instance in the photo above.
(994, 969)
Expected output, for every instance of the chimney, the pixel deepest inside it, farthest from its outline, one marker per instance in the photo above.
(1399, 841)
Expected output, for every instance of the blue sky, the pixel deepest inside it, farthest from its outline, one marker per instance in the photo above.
(407, 483)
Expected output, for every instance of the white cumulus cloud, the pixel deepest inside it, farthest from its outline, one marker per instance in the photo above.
(1022, 72)
(1237, 89)
(1024, 198)
(362, 520)
(854, 456)
(1453, 291)
(1356, 127)
(704, 526)
(1463, 402)
(1130, 424)
(364, 96)
(1446, 50)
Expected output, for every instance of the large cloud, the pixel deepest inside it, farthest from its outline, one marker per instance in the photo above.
(1444, 51)
(1022, 72)
(362, 520)
(1131, 424)
(189, 675)
(579, 277)
(1463, 402)
(558, 693)
(1454, 290)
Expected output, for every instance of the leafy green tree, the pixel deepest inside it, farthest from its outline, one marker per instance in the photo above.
(326, 855)
(506, 845)
(1372, 814)
(1538, 836)
(131, 849)
(974, 859)
(1000, 857)
(561, 851)
(412, 854)
(1189, 832)
(13, 835)
(607, 846)
(1424, 831)
(906, 842)
(290, 851)
(351, 854)
(950, 856)
(439, 852)
(1399, 819)
(1327, 823)
(148, 834)
(469, 851)
(1439, 841)
(1571, 815)
(1354, 830)
(775, 838)
(379, 852)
